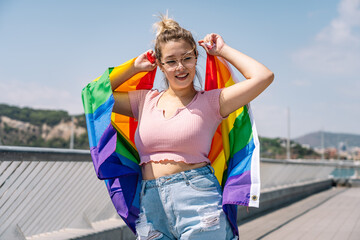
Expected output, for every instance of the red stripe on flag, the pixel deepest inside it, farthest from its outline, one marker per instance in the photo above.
(211, 73)
(132, 128)
(147, 81)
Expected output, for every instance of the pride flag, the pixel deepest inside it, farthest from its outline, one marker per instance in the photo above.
(234, 152)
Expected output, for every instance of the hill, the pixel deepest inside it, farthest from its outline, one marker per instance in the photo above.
(330, 139)
(41, 128)
(276, 148)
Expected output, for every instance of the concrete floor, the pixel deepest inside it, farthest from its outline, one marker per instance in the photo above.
(331, 214)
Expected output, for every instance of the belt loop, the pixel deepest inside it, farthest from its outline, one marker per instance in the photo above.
(183, 174)
(185, 178)
(143, 183)
(211, 168)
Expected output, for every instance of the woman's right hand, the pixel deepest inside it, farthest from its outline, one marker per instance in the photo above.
(142, 62)
(213, 44)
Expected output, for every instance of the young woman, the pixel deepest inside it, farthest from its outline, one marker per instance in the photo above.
(181, 197)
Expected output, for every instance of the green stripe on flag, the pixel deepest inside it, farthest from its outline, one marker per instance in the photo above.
(241, 133)
(97, 92)
(124, 148)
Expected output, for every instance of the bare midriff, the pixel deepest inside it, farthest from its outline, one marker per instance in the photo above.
(153, 170)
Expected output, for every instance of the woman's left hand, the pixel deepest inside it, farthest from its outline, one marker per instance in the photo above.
(213, 44)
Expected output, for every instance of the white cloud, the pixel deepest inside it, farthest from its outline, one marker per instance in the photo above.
(336, 48)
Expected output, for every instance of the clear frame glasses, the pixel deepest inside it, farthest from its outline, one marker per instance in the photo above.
(188, 61)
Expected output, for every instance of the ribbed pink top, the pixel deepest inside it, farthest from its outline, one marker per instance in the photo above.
(186, 136)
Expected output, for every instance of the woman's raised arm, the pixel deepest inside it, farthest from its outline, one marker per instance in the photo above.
(122, 102)
(258, 77)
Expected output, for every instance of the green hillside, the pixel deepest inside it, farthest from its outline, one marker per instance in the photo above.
(27, 127)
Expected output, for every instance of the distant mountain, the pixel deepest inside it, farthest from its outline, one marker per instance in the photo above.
(330, 139)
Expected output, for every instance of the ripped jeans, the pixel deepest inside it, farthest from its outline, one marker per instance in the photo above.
(184, 205)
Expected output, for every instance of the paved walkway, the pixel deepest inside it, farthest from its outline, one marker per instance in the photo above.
(332, 214)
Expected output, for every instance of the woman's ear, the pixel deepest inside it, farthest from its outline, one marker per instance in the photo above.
(158, 63)
(197, 56)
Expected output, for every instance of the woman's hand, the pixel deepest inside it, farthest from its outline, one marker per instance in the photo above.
(143, 64)
(213, 44)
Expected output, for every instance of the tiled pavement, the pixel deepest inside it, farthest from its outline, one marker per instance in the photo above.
(332, 214)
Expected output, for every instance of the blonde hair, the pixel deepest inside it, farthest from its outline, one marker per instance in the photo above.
(167, 30)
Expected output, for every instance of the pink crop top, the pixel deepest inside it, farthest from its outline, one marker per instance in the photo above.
(186, 136)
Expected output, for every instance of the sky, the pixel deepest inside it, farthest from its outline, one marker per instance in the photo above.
(50, 50)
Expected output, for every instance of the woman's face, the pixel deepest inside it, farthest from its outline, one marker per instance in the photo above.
(178, 63)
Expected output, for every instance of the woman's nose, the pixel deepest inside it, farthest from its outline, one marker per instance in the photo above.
(180, 65)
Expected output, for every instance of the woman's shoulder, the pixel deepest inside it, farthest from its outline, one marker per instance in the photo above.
(153, 93)
(145, 93)
(148, 95)
(211, 99)
(210, 94)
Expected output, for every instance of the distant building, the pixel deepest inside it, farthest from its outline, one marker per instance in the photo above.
(355, 153)
(331, 153)
(306, 146)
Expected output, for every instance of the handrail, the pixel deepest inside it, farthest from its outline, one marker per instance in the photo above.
(15, 153)
(335, 163)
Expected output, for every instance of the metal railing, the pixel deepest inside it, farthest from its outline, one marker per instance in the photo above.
(45, 190)
(278, 173)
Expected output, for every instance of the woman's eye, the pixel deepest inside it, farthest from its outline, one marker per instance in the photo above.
(187, 58)
(172, 62)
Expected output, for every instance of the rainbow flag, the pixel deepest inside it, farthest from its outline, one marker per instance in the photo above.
(234, 152)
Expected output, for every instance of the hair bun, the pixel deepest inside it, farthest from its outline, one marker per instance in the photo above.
(165, 24)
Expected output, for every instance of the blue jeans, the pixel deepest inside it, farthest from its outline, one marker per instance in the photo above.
(185, 205)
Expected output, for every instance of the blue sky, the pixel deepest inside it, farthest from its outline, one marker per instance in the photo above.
(49, 50)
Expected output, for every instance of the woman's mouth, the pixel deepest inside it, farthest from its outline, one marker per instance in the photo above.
(182, 76)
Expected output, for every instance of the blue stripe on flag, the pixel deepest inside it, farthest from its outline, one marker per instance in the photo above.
(241, 162)
(102, 117)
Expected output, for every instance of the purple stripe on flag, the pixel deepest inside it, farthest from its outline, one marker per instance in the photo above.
(237, 189)
(107, 143)
(94, 156)
(104, 149)
(122, 191)
(119, 202)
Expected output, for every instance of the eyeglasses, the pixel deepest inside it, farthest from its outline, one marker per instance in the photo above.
(187, 61)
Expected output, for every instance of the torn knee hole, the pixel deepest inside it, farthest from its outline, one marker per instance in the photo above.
(154, 235)
(151, 235)
(145, 230)
(210, 221)
(210, 217)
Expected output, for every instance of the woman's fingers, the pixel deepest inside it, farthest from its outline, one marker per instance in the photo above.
(212, 43)
(209, 43)
(151, 56)
(146, 61)
(202, 43)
